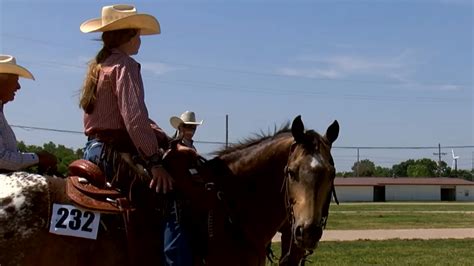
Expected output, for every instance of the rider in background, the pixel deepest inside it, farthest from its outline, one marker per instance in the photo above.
(10, 158)
(185, 126)
(177, 239)
(116, 121)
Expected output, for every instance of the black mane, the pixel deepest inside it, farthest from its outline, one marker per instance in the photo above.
(256, 139)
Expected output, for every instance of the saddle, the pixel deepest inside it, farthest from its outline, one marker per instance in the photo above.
(87, 187)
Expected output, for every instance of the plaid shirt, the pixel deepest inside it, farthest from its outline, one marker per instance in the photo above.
(120, 103)
(10, 157)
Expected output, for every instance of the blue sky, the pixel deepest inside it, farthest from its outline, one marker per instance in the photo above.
(393, 73)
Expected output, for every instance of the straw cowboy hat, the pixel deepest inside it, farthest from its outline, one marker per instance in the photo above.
(117, 17)
(8, 66)
(188, 118)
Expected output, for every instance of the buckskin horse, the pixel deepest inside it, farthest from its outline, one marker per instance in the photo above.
(239, 200)
(279, 182)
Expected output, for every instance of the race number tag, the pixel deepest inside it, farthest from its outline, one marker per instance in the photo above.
(69, 220)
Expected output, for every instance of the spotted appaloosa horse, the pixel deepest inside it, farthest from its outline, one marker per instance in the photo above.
(25, 211)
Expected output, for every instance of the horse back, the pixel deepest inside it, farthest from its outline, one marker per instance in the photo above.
(25, 210)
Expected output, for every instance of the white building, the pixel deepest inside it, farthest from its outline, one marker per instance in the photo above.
(403, 189)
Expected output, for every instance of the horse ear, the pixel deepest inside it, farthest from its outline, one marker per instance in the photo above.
(332, 132)
(297, 129)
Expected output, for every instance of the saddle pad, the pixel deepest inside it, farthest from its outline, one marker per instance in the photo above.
(90, 203)
(92, 190)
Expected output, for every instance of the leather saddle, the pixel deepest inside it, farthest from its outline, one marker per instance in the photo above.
(87, 187)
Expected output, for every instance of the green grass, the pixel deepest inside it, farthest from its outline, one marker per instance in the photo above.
(362, 216)
(393, 252)
(400, 206)
(400, 216)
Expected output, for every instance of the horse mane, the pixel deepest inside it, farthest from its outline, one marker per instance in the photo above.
(256, 139)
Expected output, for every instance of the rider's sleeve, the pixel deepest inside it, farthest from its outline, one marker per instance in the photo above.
(10, 157)
(131, 103)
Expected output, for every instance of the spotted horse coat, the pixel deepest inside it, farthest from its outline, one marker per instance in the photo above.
(26, 201)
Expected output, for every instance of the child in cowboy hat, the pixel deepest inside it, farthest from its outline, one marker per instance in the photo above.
(116, 120)
(10, 158)
(185, 126)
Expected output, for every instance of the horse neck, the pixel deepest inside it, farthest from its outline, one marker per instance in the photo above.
(269, 155)
(256, 185)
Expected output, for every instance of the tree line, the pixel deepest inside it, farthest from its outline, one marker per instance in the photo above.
(64, 155)
(410, 168)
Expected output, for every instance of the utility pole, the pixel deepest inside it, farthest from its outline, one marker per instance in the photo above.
(472, 165)
(226, 130)
(358, 163)
(439, 153)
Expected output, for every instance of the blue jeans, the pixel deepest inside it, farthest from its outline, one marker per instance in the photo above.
(93, 153)
(177, 250)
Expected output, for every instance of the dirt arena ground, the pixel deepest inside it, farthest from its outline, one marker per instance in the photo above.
(383, 234)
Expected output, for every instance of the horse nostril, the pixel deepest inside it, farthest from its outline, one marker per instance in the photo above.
(315, 231)
(299, 231)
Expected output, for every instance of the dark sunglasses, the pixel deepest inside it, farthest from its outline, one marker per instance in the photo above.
(190, 126)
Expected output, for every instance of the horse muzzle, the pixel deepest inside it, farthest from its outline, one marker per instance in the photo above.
(307, 236)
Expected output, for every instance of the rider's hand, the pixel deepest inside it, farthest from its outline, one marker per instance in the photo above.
(46, 162)
(184, 148)
(162, 181)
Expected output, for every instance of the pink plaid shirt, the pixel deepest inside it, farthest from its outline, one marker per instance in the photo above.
(120, 103)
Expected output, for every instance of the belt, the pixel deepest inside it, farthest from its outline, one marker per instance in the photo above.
(117, 138)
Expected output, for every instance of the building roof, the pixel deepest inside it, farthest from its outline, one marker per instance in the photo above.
(382, 181)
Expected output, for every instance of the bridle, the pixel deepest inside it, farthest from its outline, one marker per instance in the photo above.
(289, 202)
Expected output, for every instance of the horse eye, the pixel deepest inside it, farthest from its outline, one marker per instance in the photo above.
(292, 175)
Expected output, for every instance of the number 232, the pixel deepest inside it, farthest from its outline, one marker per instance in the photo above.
(76, 221)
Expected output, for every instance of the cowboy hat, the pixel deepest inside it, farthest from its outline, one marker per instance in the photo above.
(188, 118)
(117, 17)
(8, 66)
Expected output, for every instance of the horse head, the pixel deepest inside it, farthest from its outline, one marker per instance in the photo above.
(310, 177)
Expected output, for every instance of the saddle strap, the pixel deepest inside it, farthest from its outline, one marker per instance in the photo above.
(93, 191)
(104, 205)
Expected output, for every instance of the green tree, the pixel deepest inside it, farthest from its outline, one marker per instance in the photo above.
(418, 170)
(364, 168)
(400, 169)
(464, 174)
(344, 174)
(445, 170)
(64, 155)
(383, 171)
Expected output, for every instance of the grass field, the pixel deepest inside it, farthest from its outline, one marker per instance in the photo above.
(393, 252)
(403, 215)
(400, 216)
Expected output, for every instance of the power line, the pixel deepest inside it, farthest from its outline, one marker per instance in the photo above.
(274, 91)
(207, 85)
(402, 147)
(311, 92)
(48, 129)
(218, 68)
(81, 132)
(335, 147)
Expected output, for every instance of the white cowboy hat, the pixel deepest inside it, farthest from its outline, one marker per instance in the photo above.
(8, 66)
(118, 17)
(188, 118)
